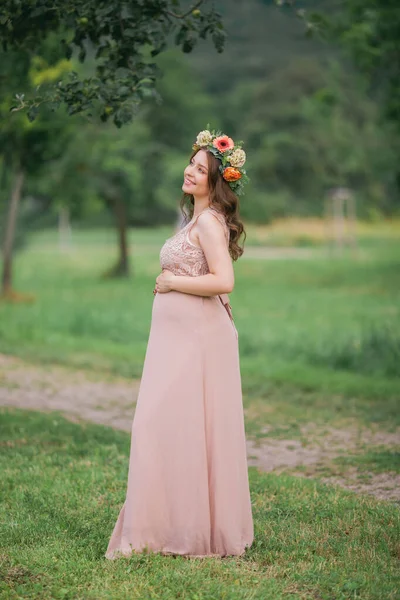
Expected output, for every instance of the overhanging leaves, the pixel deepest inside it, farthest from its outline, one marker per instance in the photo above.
(119, 36)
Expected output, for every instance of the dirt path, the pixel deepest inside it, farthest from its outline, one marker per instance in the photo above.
(109, 400)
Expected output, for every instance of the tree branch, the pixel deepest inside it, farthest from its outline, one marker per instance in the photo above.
(168, 12)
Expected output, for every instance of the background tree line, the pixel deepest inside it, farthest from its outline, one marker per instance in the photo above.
(310, 120)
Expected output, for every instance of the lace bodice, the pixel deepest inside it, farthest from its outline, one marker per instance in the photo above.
(181, 256)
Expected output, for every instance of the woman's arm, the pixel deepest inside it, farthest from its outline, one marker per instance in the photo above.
(220, 279)
(203, 285)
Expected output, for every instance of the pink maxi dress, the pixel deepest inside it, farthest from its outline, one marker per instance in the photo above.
(188, 488)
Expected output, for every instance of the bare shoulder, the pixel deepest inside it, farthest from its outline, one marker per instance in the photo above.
(208, 221)
(211, 217)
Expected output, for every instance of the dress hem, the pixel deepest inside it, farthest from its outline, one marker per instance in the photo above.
(115, 554)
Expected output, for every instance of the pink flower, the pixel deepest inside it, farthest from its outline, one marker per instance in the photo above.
(223, 143)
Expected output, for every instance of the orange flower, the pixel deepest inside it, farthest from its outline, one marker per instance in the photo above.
(223, 143)
(231, 174)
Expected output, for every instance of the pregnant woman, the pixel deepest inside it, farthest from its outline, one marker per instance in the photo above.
(188, 489)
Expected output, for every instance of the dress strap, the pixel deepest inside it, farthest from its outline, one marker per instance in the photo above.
(224, 299)
(226, 304)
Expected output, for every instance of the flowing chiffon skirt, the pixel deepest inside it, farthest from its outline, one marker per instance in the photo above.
(188, 489)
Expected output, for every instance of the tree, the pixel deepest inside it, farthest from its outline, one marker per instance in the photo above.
(319, 131)
(137, 171)
(25, 146)
(369, 30)
(123, 37)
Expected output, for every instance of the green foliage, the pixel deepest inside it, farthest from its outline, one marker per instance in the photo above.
(368, 30)
(374, 349)
(306, 118)
(124, 38)
(22, 142)
(26, 146)
(319, 132)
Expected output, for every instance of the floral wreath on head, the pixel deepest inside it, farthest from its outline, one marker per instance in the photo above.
(231, 155)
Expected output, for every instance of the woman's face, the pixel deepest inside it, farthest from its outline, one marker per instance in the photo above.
(196, 175)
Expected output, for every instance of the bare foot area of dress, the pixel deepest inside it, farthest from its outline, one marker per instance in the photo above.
(83, 395)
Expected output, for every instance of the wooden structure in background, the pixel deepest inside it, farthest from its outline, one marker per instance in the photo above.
(64, 229)
(340, 218)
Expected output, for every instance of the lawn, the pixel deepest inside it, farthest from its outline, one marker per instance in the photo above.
(319, 340)
(63, 485)
(322, 324)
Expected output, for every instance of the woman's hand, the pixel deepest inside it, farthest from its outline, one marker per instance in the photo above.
(164, 281)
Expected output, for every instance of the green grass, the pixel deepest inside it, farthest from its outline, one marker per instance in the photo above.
(63, 485)
(319, 343)
(318, 337)
(378, 460)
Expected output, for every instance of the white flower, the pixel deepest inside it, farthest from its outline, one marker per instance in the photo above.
(204, 138)
(237, 158)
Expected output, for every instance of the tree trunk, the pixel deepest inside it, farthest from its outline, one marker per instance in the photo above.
(10, 232)
(64, 229)
(122, 225)
(121, 269)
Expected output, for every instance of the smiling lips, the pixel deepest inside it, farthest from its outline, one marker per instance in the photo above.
(188, 181)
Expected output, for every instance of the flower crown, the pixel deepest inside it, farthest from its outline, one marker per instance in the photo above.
(231, 155)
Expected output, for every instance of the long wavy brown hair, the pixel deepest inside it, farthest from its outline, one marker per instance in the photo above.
(223, 199)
